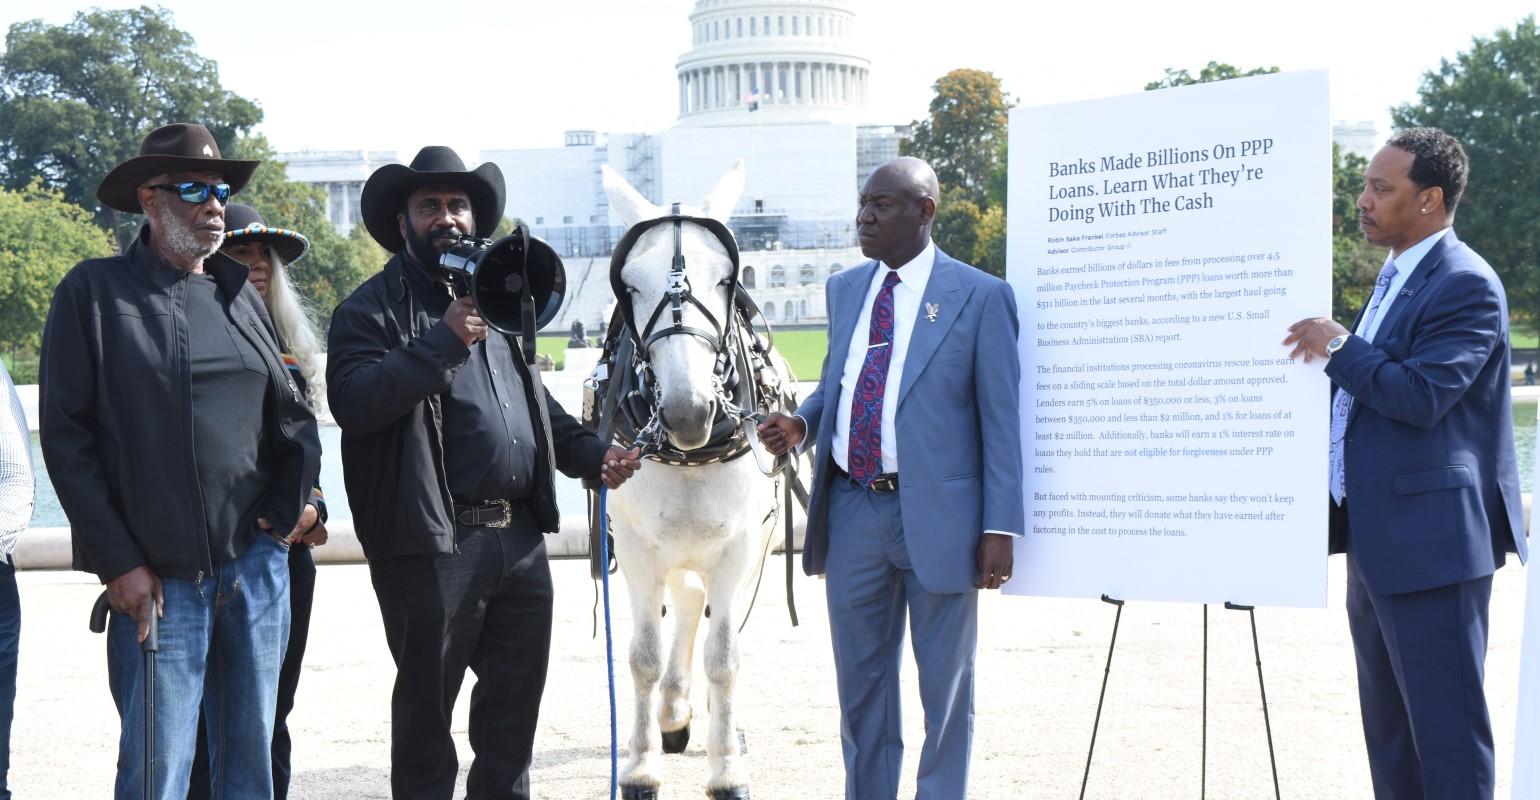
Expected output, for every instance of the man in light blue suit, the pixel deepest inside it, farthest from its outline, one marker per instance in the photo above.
(1424, 482)
(917, 480)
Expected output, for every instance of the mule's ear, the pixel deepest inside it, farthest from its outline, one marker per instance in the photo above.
(628, 203)
(719, 204)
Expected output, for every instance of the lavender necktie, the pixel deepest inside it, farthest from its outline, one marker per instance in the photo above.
(865, 456)
(1343, 402)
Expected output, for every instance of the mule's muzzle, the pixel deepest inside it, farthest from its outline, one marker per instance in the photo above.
(690, 429)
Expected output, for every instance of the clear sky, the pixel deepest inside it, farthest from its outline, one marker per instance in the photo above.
(486, 74)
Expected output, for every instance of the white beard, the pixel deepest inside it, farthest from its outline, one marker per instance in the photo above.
(177, 236)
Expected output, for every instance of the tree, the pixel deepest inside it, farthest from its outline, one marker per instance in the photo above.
(1487, 98)
(964, 140)
(335, 266)
(989, 250)
(1354, 262)
(1215, 71)
(955, 226)
(42, 236)
(964, 137)
(77, 99)
(506, 227)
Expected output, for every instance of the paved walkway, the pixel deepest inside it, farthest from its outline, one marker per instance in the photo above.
(1040, 665)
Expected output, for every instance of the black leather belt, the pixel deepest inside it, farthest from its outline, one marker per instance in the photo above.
(882, 484)
(489, 514)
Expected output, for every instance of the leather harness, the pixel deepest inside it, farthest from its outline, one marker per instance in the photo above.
(620, 402)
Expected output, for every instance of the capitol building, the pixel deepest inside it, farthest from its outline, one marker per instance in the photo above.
(780, 84)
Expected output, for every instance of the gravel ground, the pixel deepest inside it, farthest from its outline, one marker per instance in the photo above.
(1040, 665)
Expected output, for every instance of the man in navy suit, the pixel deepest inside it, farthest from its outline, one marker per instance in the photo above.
(1424, 481)
(917, 480)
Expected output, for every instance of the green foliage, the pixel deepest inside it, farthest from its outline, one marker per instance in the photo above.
(42, 236)
(23, 366)
(955, 227)
(1215, 71)
(1489, 98)
(989, 250)
(367, 252)
(963, 138)
(335, 266)
(1354, 262)
(1347, 182)
(506, 227)
(77, 99)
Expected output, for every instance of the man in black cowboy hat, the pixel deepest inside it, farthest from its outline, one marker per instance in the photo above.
(184, 456)
(449, 451)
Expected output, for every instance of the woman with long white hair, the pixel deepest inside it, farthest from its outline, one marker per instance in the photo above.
(269, 253)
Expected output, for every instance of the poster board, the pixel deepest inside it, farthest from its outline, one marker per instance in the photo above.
(1160, 244)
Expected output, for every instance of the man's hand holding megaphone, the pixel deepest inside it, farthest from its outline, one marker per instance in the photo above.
(463, 318)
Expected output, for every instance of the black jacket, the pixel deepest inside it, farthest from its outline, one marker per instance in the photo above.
(387, 364)
(116, 421)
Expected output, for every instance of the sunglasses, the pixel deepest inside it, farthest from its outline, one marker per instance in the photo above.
(197, 192)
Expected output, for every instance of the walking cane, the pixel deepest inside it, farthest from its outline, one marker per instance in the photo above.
(149, 647)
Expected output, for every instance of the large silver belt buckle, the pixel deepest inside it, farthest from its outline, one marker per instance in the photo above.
(507, 515)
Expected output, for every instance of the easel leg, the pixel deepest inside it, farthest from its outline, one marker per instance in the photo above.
(1267, 722)
(1107, 673)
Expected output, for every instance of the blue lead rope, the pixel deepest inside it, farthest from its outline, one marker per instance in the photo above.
(609, 642)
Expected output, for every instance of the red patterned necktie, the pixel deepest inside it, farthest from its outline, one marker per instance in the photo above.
(866, 404)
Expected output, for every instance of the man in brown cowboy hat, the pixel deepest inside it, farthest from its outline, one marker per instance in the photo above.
(450, 447)
(184, 456)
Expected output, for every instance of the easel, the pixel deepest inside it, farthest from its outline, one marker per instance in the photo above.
(1266, 718)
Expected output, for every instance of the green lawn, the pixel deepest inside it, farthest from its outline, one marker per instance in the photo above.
(804, 350)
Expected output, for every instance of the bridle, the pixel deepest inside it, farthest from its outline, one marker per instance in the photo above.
(622, 402)
(679, 294)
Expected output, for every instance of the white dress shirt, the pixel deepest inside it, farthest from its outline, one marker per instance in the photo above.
(1406, 263)
(912, 278)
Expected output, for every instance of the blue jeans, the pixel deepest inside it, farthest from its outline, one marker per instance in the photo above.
(222, 642)
(10, 637)
(301, 598)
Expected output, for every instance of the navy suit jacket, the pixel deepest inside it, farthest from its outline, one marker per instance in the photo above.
(958, 421)
(1431, 474)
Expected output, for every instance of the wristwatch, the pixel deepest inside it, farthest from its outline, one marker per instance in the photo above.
(1335, 344)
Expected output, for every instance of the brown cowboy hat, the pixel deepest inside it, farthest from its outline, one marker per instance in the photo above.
(176, 147)
(244, 224)
(385, 192)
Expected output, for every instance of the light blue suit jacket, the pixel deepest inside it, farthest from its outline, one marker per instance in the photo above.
(1432, 479)
(958, 421)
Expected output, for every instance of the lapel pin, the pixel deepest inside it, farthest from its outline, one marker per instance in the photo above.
(931, 310)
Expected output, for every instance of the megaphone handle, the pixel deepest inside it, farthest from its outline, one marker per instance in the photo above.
(527, 309)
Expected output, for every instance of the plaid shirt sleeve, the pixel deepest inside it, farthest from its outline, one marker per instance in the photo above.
(16, 486)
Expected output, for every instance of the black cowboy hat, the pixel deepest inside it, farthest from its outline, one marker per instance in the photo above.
(385, 192)
(244, 224)
(174, 148)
